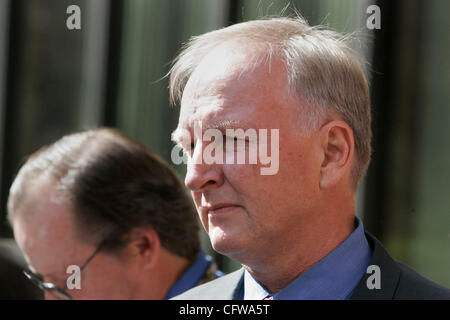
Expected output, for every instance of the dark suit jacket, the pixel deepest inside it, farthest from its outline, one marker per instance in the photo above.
(397, 282)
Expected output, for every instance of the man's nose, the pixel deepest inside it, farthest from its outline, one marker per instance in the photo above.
(202, 176)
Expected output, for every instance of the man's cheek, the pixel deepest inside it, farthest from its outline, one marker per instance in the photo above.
(204, 220)
(197, 198)
(241, 174)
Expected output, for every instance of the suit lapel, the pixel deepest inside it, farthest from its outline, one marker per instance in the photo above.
(228, 287)
(389, 274)
(238, 293)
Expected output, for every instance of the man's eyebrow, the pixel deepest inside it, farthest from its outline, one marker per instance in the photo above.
(178, 135)
(224, 124)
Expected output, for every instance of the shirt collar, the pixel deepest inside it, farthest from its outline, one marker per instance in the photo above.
(332, 278)
(191, 276)
(253, 289)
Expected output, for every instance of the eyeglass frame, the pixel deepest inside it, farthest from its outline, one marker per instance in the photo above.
(38, 280)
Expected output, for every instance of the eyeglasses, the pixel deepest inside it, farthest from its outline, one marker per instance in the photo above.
(55, 290)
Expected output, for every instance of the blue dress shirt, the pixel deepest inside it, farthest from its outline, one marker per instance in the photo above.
(332, 278)
(192, 275)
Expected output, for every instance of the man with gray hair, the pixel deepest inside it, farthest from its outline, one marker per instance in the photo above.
(295, 232)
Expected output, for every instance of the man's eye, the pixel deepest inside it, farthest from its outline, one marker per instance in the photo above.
(230, 139)
(189, 149)
(235, 144)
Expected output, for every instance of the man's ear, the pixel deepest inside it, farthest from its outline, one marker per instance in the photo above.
(337, 143)
(145, 245)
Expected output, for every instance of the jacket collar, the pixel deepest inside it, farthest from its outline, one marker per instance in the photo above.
(389, 272)
(389, 275)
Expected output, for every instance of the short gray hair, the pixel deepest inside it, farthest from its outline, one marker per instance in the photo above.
(321, 68)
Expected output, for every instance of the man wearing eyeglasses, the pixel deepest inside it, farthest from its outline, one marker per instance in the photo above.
(99, 216)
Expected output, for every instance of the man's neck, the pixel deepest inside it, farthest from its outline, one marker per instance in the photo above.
(167, 272)
(295, 256)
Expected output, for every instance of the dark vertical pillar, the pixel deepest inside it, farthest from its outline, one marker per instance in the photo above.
(113, 66)
(14, 53)
(389, 204)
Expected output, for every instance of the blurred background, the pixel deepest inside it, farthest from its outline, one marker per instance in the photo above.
(54, 81)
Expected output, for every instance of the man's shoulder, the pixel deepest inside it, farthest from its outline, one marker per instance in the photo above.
(412, 285)
(223, 288)
(396, 280)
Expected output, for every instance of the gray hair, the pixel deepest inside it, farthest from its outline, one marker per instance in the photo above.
(321, 68)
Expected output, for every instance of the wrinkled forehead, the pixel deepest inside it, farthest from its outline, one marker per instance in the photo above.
(232, 76)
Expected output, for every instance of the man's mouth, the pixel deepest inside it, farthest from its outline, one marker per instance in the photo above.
(220, 208)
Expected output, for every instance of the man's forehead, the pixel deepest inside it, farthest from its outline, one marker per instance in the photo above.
(231, 83)
(222, 124)
(46, 224)
(216, 110)
(51, 245)
(226, 65)
(228, 61)
(49, 222)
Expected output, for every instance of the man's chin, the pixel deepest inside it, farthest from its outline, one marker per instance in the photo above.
(228, 244)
